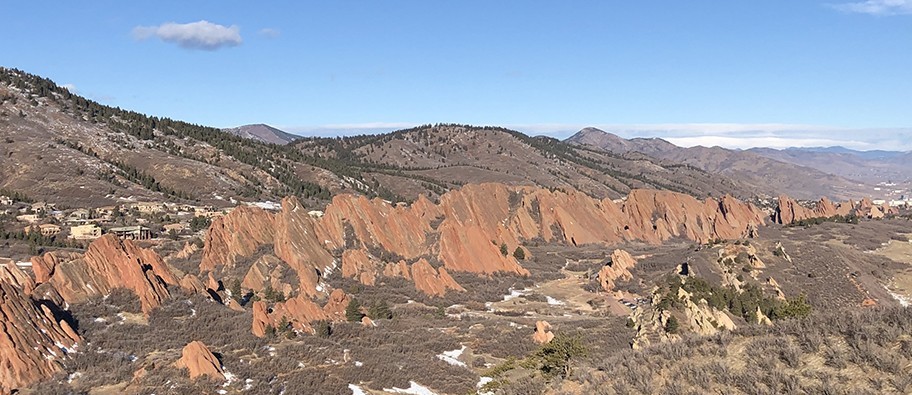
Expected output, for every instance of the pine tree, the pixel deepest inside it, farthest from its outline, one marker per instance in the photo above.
(353, 311)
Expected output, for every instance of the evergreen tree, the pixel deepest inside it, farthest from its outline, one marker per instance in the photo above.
(519, 253)
(353, 311)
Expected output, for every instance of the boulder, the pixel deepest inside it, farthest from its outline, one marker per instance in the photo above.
(197, 359)
(542, 333)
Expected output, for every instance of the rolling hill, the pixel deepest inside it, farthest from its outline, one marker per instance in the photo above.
(756, 171)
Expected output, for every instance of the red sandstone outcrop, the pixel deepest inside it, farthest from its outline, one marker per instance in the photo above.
(618, 268)
(12, 274)
(43, 266)
(542, 333)
(32, 341)
(433, 281)
(197, 358)
(268, 271)
(789, 211)
(464, 231)
(300, 311)
(108, 263)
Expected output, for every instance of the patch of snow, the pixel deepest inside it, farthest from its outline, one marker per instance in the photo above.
(73, 376)
(356, 390)
(248, 384)
(481, 383)
(452, 357)
(359, 364)
(100, 319)
(904, 301)
(553, 302)
(229, 377)
(413, 389)
(514, 294)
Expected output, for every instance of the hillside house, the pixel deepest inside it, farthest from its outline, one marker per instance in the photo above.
(79, 214)
(44, 229)
(178, 227)
(41, 207)
(85, 232)
(30, 218)
(137, 232)
(149, 207)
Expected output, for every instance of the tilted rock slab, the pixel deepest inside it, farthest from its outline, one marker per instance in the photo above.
(463, 231)
(32, 341)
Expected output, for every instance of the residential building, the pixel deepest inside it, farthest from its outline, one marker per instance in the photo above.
(31, 218)
(47, 229)
(85, 232)
(137, 232)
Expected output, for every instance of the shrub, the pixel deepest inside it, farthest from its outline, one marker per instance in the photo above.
(519, 253)
(554, 358)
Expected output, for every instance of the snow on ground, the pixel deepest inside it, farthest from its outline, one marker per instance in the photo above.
(903, 300)
(452, 357)
(481, 383)
(356, 390)
(413, 389)
(514, 294)
(553, 302)
(267, 205)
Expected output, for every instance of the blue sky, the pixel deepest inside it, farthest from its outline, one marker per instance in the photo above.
(722, 72)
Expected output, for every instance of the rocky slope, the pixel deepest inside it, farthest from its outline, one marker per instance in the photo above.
(757, 172)
(869, 167)
(264, 133)
(60, 146)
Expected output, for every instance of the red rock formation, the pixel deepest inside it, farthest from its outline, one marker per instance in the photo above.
(268, 271)
(542, 333)
(32, 341)
(197, 358)
(43, 266)
(300, 311)
(465, 230)
(110, 263)
(433, 281)
(789, 211)
(358, 264)
(618, 268)
(11, 273)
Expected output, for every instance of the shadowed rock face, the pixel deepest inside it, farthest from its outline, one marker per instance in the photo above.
(464, 231)
(789, 211)
(197, 359)
(32, 341)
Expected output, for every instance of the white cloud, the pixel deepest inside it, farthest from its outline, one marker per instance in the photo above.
(877, 7)
(69, 87)
(269, 32)
(195, 35)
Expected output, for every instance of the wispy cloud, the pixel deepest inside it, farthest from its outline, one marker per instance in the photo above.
(877, 7)
(269, 32)
(69, 87)
(203, 35)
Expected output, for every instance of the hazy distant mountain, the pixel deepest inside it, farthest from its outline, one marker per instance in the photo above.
(865, 166)
(264, 133)
(770, 176)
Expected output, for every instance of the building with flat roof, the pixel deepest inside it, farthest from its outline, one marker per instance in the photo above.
(85, 232)
(137, 232)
